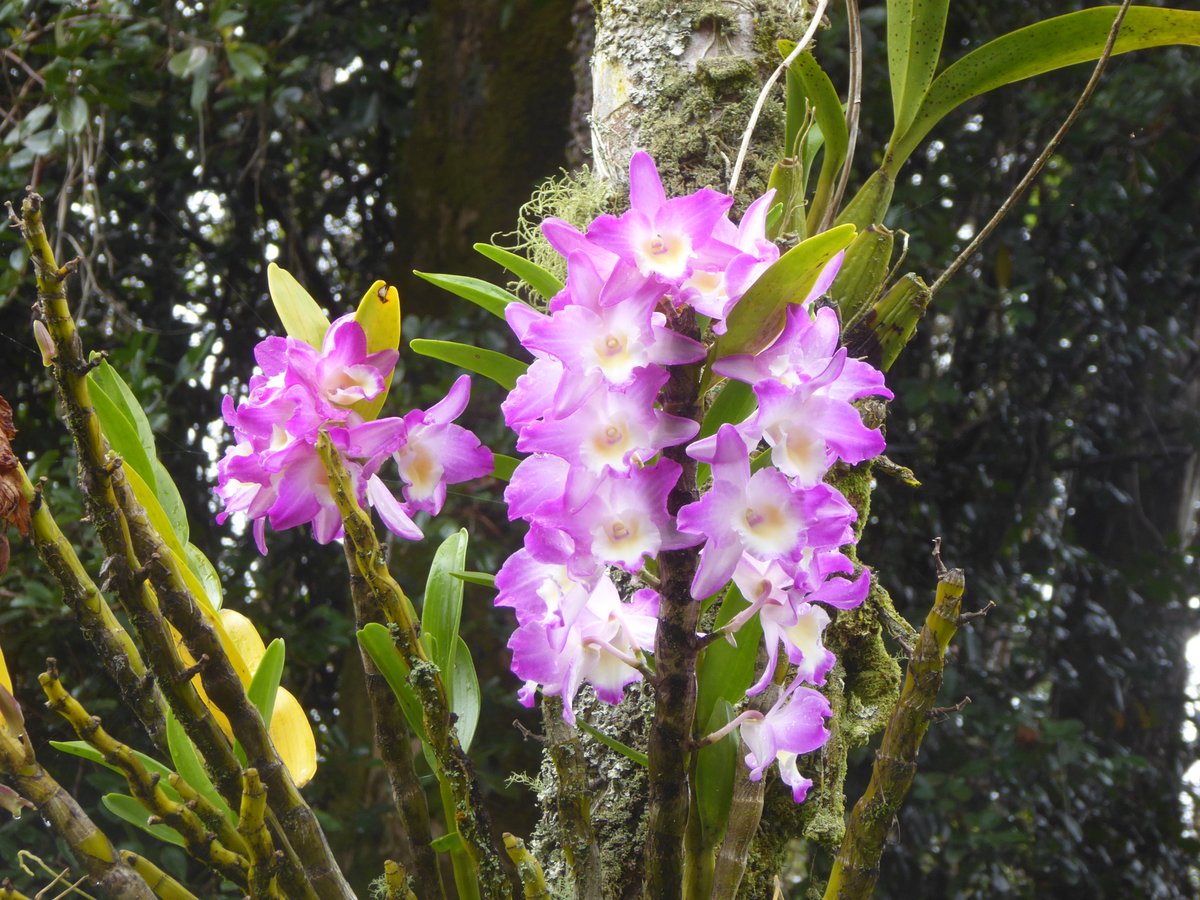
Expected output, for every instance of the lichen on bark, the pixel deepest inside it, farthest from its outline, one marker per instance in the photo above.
(679, 79)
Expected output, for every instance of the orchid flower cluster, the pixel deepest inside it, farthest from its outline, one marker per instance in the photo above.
(273, 473)
(593, 489)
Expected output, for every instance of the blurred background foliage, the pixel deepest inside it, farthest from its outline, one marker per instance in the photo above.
(1049, 403)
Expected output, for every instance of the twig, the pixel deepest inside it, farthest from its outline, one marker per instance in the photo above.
(393, 737)
(116, 649)
(455, 773)
(89, 845)
(198, 840)
(1038, 164)
(856, 868)
(813, 25)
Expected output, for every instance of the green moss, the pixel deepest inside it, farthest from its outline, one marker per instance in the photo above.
(575, 197)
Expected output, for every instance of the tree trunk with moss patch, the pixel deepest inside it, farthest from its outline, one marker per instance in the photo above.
(678, 80)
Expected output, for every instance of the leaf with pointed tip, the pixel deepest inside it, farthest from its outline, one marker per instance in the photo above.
(545, 283)
(1077, 37)
(716, 766)
(484, 579)
(129, 810)
(302, 318)
(613, 744)
(265, 684)
(504, 466)
(466, 699)
(504, 370)
(190, 768)
(377, 641)
(915, 29)
(482, 293)
(758, 317)
(379, 316)
(441, 611)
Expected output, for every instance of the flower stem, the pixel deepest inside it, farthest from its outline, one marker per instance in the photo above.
(676, 648)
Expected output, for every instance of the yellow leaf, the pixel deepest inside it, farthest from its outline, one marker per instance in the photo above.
(379, 316)
(301, 316)
(158, 520)
(244, 636)
(293, 738)
(4, 678)
(290, 729)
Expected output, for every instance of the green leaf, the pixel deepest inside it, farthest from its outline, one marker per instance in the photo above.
(377, 641)
(125, 807)
(504, 466)
(466, 699)
(732, 406)
(204, 570)
(915, 29)
(1053, 44)
(244, 65)
(481, 293)
(441, 612)
(265, 683)
(121, 433)
(72, 115)
(830, 119)
(302, 318)
(448, 843)
(186, 62)
(116, 403)
(613, 744)
(529, 272)
(758, 317)
(504, 370)
(725, 671)
(716, 766)
(190, 768)
(86, 751)
(486, 579)
(168, 497)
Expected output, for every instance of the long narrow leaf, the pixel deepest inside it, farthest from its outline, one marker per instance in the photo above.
(545, 283)
(613, 744)
(482, 293)
(485, 579)
(503, 466)
(725, 671)
(302, 318)
(377, 641)
(441, 612)
(84, 750)
(915, 29)
(1077, 37)
(504, 370)
(716, 765)
(126, 808)
(830, 119)
(119, 430)
(265, 683)
(465, 694)
(190, 768)
(758, 317)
